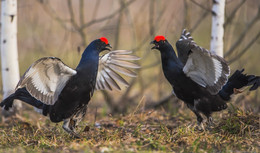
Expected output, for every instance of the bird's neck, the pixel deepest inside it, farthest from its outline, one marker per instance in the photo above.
(89, 58)
(169, 57)
(171, 65)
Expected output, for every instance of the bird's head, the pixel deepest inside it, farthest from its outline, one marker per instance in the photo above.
(100, 44)
(104, 45)
(159, 42)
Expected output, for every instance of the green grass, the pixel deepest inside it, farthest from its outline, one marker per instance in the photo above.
(147, 131)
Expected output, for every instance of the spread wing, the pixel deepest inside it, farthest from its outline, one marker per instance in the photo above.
(206, 69)
(46, 78)
(111, 64)
(203, 67)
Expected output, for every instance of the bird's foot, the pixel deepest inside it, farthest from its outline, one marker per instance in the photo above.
(71, 131)
(75, 135)
(210, 122)
(200, 126)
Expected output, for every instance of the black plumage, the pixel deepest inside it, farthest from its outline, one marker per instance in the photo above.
(63, 93)
(198, 77)
(255, 82)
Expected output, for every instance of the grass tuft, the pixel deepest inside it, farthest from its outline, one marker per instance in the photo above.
(236, 130)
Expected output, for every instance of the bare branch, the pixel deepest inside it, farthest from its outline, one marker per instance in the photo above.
(186, 23)
(72, 17)
(233, 13)
(199, 21)
(245, 49)
(131, 23)
(74, 24)
(95, 9)
(81, 12)
(151, 17)
(106, 17)
(158, 19)
(201, 6)
(83, 37)
(243, 34)
(48, 9)
(118, 25)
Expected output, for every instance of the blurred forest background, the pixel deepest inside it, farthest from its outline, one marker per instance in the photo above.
(63, 28)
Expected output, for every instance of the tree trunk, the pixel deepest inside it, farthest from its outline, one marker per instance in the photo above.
(217, 27)
(9, 55)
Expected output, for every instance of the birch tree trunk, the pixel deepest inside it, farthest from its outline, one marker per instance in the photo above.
(9, 55)
(217, 27)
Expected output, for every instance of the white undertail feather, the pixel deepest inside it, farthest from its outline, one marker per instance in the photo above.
(38, 110)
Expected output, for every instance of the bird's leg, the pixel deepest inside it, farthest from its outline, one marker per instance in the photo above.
(210, 121)
(68, 127)
(71, 123)
(199, 121)
(199, 118)
(79, 116)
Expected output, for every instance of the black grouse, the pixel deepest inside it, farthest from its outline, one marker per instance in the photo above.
(199, 77)
(63, 93)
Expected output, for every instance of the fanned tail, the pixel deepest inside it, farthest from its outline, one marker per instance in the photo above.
(255, 82)
(7, 103)
(237, 81)
(23, 95)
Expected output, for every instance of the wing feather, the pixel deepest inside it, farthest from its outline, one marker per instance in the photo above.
(113, 63)
(203, 67)
(125, 57)
(206, 69)
(183, 46)
(123, 70)
(124, 64)
(112, 82)
(46, 78)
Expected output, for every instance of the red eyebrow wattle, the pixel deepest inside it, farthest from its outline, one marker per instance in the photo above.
(159, 38)
(104, 39)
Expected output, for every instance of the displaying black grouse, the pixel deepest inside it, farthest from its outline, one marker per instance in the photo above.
(199, 77)
(62, 92)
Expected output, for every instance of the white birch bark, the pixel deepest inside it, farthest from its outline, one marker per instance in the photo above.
(217, 28)
(9, 55)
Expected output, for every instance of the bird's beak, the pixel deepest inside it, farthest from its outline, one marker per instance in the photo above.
(108, 47)
(156, 45)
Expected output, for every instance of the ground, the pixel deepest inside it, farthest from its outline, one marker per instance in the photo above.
(151, 130)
